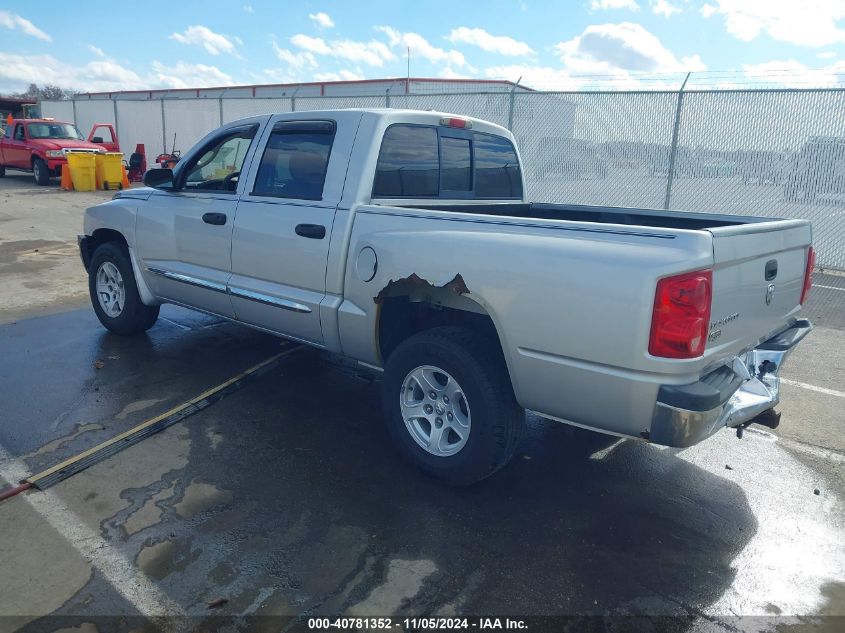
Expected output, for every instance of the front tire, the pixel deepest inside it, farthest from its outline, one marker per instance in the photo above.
(449, 405)
(2, 171)
(114, 293)
(40, 172)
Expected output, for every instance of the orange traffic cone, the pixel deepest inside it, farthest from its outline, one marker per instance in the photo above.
(66, 183)
(124, 184)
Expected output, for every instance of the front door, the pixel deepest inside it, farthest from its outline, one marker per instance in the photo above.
(184, 235)
(280, 242)
(16, 153)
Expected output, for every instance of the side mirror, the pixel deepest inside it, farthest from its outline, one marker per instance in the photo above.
(97, 139)
(160, 178)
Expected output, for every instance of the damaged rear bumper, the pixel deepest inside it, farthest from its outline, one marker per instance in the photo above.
(731, 395)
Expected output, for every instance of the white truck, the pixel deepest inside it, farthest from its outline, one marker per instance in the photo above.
(403, 240)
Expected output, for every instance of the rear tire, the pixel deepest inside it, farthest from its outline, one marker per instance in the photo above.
(40, 172)
(2, 171)
(114, 293)
(471, 368)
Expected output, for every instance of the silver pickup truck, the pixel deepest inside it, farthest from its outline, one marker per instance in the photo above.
(403, 240)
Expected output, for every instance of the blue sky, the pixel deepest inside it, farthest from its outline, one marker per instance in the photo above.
(572, 44)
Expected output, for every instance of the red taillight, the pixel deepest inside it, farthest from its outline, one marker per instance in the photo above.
(808, 274)
(455, 122)
(680, 322)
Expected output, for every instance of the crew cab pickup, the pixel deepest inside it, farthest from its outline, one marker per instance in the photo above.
(403, 240)
(41, 146)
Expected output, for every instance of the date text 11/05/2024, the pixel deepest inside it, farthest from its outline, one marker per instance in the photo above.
(416, 624)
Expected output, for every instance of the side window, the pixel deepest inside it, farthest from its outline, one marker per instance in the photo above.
(19, 132)
(104, 134)
(295, 160)
(218, 166)
(455, 164)
(408, 163)
(497, 172)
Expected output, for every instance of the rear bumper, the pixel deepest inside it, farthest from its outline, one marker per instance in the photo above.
(729, 396)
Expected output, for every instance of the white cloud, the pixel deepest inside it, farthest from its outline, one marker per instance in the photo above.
(803, 23)
(394, 37)
(97, 51)
(274, 75)
(14, 21)
(185, 75)
(542, 77)
(664, 8)
(826, 55)
(198, 35)
(248, 8)
(103, 75)
(372, 53)
(792, 73)
(421, 47)
(18, 71)
(322, 20)
(316, 45)
(707, 10)
(449, 73)
(296, 61)
(603, 5)
(341, 75)
(501, 44)
(606, 48)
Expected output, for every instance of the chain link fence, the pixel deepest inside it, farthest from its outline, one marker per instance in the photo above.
(775, 152)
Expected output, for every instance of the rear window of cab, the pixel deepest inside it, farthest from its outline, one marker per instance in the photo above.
(420, 161)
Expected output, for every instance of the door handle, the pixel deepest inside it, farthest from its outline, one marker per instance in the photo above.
(314, 231)
(214, 218)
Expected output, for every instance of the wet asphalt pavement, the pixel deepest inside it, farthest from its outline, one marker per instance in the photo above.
(286, 498)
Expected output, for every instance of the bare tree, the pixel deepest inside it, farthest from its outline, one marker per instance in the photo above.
(49, 92)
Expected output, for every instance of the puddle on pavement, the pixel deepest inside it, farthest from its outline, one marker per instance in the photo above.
(10, 252)
(200, 497)
(404, 580)
(159, 560)
(138, 405)
(58, 443)
(149, 514)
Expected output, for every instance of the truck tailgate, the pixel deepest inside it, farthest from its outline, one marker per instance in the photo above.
(758, 277)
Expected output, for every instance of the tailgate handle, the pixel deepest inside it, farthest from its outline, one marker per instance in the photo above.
(771, 269)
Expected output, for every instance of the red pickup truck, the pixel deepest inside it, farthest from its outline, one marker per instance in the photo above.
(40, 145)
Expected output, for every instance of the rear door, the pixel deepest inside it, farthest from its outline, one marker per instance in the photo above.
(184, 236)
(281, 236)
(758, 277)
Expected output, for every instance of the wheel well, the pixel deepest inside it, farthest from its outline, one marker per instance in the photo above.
(100, 237)
(400, 317)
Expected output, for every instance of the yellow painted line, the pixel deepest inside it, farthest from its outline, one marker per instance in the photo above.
(205, 394)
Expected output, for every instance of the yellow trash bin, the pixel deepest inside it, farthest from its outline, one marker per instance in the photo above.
(83, 170)
(109, 170)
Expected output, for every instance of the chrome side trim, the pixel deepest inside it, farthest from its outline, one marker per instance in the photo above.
(187, 279)
(295, 339)
(268, 300)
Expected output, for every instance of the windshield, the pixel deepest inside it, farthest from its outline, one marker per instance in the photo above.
(53, 130)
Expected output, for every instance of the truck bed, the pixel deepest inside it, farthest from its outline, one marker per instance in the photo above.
(603, 215)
